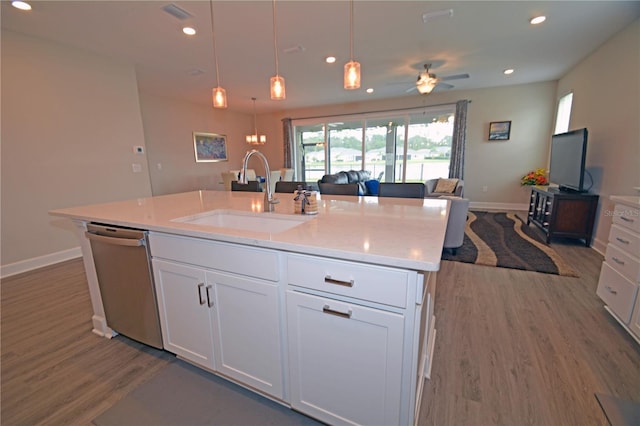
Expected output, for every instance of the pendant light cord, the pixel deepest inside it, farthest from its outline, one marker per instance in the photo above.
(350, 29)
(275, 40)
(255, 125)
(213, 37)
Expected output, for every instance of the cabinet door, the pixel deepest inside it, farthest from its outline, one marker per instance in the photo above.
(184, 311)
(634, 325)
(247, 331)
(345, 360)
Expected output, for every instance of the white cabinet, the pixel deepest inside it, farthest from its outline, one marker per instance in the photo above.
(228, 323)
(620, 274)
(247, 331)
(345, 360)
(357, 344)
(185, 315)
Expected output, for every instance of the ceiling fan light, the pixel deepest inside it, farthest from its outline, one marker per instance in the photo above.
(352, 75)
(278, 90)
(219, 96)
(426, 85)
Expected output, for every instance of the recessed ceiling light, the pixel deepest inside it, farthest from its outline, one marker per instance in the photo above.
(21, 5)
(330, 59)
(189, 31)
(508, 71)
(428, 16)
(538, 20)
(370, 90)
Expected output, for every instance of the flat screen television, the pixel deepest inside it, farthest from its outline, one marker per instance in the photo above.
(568, 156)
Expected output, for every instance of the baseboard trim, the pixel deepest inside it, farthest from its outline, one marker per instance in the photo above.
(39, 262)
(475, 205)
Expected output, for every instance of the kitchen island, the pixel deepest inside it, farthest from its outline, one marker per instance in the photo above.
(330, 314)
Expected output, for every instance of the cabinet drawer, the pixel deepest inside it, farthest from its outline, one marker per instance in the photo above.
(625, 239)
(626, 216)
(623, 262)
(617, 292)
(372, 283)
(250, 261)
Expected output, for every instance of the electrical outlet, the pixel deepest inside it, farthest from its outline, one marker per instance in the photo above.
(136, 167)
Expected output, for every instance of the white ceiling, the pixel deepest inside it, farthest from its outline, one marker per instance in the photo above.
(391, 41)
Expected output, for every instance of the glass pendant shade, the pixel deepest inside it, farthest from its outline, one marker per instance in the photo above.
(278, 91)
(425, 86)
(219, 97)
(352, 75)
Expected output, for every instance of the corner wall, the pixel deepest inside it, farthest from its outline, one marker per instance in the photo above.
(606, 100)
(70, 121)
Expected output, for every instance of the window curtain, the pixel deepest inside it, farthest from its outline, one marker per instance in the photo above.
(459, 140)
(288, 141)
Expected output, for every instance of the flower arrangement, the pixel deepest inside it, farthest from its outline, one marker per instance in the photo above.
(535, 177)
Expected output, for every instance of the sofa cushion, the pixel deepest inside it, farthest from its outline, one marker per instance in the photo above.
(373, 186)
(340, 177)
(446, 186)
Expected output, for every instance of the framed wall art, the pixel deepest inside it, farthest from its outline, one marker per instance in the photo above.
(209, 147)
(499, 130)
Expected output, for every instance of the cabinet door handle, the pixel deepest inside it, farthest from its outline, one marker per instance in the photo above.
(209, 298)
(623, 241)
(626, 219)
(612, 291)
(618, 261)
(329, 280)
(200, 293)
(327, 310)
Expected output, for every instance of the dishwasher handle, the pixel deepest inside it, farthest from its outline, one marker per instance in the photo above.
(115, 241)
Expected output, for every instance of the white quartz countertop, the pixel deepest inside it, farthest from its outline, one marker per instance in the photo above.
(396, 232)
(629, 200)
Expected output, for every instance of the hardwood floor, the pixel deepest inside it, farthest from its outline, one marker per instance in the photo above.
(512, 348)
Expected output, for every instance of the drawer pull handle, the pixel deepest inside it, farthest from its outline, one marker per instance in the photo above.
(626, 219)
(209, 298)
(200, 293)
(623, 241)
(618, 261)
(329, 280)
(612, 291)
(327, 310)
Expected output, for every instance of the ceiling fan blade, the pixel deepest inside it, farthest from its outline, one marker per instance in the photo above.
(454, 77)
(443, 86)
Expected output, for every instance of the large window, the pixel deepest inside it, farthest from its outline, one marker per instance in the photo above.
(564, 114)
(408, 146)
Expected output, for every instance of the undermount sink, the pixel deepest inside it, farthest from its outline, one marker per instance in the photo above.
(246, 221)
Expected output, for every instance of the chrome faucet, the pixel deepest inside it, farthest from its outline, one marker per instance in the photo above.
(269, 200)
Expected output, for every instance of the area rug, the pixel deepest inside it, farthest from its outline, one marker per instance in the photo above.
(181, 394)
(505, 241)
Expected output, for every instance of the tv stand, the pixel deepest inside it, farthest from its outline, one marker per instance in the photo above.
(563, 214)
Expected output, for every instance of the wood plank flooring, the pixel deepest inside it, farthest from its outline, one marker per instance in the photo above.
(512, 348)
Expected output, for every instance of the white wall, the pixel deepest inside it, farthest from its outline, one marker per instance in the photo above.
(69, 123)
(169, 125)
(496, 165)
(606, 100)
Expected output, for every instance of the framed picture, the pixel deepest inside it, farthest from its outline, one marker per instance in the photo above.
(499, 130)
(209, 147)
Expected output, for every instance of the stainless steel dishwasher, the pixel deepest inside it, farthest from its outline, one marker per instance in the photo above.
(123, 267)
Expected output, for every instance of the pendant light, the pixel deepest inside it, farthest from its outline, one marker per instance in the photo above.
(255, 139)
(351, 68)
(278, 91)
(219, 95)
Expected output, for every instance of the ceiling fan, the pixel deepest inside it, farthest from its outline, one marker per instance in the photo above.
(428, 81)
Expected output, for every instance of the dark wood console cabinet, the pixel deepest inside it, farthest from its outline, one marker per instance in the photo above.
(563, 214)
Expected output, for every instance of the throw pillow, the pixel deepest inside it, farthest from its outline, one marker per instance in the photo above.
(446, 186)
